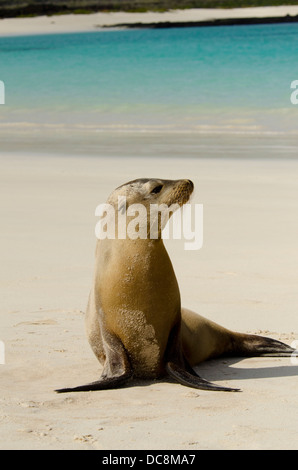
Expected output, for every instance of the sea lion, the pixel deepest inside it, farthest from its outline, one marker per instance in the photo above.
(134, 320)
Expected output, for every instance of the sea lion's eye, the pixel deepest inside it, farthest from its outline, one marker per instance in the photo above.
(157, 189)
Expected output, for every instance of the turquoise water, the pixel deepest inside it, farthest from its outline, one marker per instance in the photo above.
(228, 79)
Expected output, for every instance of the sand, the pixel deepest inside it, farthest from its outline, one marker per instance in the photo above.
(93, 22)
(244, 277)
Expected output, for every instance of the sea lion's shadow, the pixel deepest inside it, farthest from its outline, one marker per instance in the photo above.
(217, 370)
(222, 369)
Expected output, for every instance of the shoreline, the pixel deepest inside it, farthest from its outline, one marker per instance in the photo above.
(218, 22)
(153, 144)
(76, 23)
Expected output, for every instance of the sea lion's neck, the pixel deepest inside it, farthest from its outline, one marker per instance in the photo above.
(127, 248)
(141, 262)
(140, 244)
(142, 247)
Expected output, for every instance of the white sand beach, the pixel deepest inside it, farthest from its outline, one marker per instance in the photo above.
(244, 277)
(53, 176)
(95, 21)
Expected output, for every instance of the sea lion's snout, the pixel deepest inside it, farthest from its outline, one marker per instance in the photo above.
(187, 184)
(191, 184)
(183, 191)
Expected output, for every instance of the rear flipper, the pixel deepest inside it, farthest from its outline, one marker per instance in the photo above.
(244, 345)
(253, 346)
(117, 369)
(191, 379)
(178, 367)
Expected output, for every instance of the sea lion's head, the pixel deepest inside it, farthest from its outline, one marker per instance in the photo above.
(155, 200)
(153, 191)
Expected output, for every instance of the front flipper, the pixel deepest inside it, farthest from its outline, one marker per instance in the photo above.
(116, 372)
(104, 383)
(179, 369)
